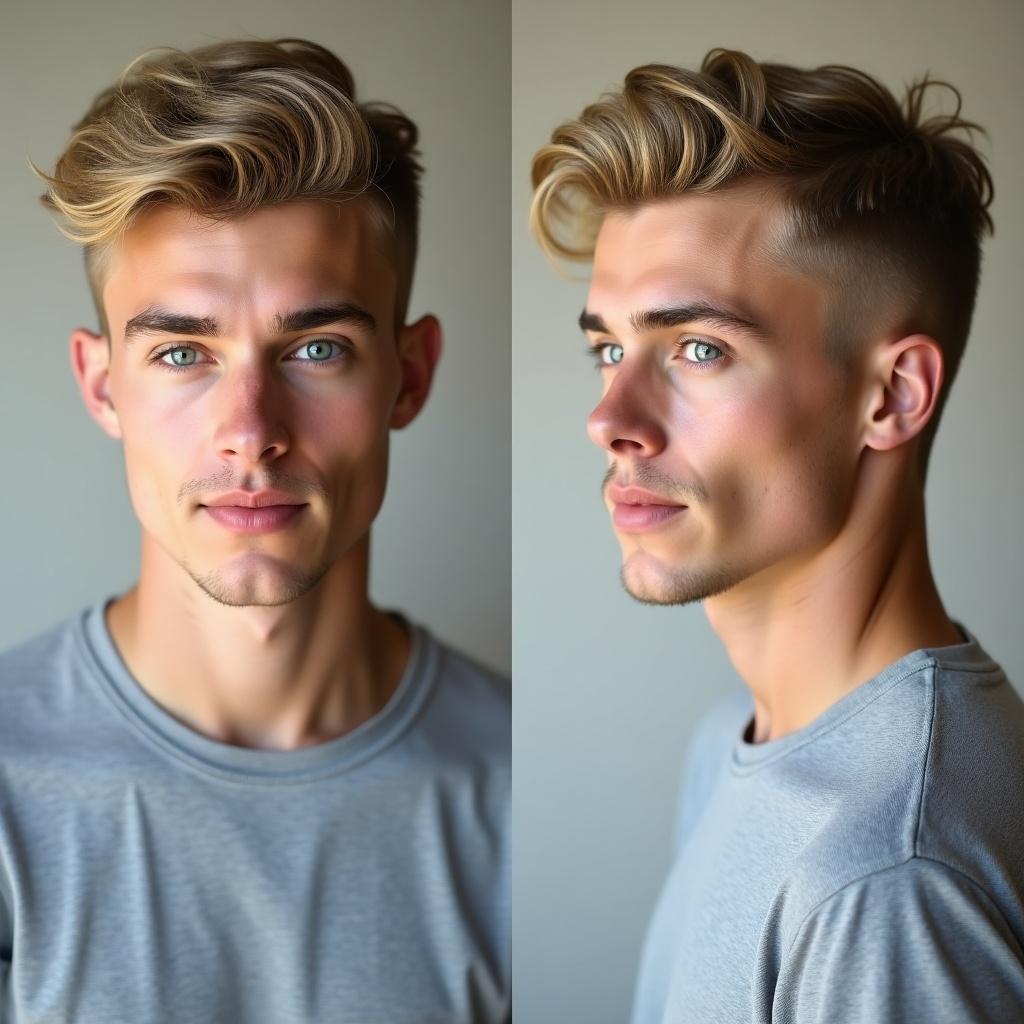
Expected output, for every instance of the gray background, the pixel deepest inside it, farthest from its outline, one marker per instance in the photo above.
(608, 691)
(441, 546)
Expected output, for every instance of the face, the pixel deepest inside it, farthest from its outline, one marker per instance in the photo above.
(728, 431)
(255, 354)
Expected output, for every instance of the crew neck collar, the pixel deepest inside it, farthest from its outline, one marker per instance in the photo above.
(245, 765)
(966, 656)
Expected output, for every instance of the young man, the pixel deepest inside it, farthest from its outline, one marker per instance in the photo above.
(784, 269)
(239, 791)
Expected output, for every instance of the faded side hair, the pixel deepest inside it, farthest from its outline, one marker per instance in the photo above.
(885, 205)
(228, 128)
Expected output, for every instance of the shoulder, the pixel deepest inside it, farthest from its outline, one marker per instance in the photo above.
(929, 798)
(36, 681)
(934, 774)
(720, 725)
(973, 786)
(472, 691)
(918, 892)
(933, 942)
(707, 754)
(467, 717)
(711, 742)
(37, 652)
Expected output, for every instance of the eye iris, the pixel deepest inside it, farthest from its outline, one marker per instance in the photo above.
(323, 345)
(703, 351)
(613, 353)
(183, 356)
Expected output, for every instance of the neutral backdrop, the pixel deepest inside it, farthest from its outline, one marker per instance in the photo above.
(608, 691)
(441, 546)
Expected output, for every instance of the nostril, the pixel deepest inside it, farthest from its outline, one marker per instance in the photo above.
(623, 444)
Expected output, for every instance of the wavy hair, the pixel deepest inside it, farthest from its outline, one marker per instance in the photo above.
(884, 204)
(223, 130)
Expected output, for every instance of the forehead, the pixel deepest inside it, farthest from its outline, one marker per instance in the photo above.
(279, 254)
(716, 246)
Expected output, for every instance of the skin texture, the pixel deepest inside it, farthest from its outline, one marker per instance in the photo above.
(804, 531)
(269, 640)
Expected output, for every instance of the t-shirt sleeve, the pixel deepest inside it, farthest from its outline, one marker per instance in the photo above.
(915, 942)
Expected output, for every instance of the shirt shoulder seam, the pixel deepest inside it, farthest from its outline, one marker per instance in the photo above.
(973, 883)
(919, 813)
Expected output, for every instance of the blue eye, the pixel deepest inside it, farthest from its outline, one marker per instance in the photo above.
(189, 355)
(177, 350)
(703, 351)
(324, 345)
(605, 353)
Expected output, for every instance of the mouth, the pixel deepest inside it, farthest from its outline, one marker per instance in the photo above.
(635, 510)
(244, 520)
(636, 517)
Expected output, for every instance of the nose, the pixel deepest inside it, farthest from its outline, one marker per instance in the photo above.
(625, 421)
(250, 422)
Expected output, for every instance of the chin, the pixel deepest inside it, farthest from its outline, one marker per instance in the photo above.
(652, 582)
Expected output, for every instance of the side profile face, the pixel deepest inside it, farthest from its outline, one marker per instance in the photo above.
(731, 438)
(258, 353)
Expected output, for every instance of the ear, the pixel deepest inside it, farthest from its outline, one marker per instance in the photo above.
(90, 362)
(906, 382)
(419, 349)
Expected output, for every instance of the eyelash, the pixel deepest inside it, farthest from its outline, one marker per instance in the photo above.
(157, 357)
(597, 348)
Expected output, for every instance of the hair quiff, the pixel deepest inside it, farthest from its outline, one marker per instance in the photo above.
(881, 202)
(224, 130)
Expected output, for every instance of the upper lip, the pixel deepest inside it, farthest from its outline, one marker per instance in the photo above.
(638, 496)
(255, 499)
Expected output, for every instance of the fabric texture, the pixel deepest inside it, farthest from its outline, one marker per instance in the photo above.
(868, 868)
(149, 873)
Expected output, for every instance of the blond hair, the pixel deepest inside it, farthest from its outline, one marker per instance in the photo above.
(880, 201)
(224, 130)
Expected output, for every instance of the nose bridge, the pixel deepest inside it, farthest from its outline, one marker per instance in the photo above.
(249, 404)
(629, 416)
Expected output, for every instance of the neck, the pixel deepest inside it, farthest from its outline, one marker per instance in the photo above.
(270, 677)
(804, 634)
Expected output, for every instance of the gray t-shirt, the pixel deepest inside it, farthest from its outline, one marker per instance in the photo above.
(866, 869)
(148, 873)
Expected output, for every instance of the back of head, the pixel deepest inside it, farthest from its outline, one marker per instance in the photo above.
(224, 130)
(885, 206)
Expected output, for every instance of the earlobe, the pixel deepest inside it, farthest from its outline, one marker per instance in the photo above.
(419, 349)
(908, 383)
(90, 364)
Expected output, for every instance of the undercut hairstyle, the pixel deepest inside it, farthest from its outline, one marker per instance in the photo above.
(885, 206)
(224, 130)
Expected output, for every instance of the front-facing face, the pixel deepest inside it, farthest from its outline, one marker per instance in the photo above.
(728, 431)
(253, 354)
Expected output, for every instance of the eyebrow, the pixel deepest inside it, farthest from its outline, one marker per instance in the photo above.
(662, 317)
(159, 320)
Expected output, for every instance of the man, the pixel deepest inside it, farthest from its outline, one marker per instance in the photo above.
(239, 791)
(784, 269)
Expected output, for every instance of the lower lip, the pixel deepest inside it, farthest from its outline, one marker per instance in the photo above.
(254, 520)
(639, 518)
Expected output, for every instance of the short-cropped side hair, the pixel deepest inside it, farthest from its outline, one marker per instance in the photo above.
(885, 205)
(228, 128)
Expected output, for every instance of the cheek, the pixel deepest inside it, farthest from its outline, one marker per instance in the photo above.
(773, 460)
(347, 430)
(162, 443)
